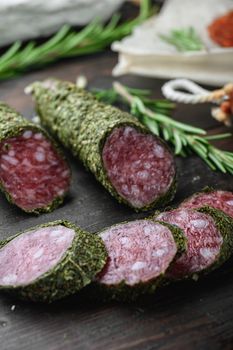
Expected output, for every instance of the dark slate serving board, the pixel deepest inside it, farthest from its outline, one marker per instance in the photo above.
(184, 316)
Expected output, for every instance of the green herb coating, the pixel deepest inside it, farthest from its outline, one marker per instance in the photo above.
(82, 124)
(77, 268)
(13, 124)
(125, 292)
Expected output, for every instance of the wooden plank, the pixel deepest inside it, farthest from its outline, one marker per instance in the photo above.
(185, 316)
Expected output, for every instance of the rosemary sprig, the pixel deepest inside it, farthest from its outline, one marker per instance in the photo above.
(111, 96)
(93, 38)
(185, 138)
(185, 39)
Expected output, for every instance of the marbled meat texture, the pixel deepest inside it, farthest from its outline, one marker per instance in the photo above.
(222, 200)
(30, 255)
(204, 241)
(138, 165)
(33, 172)
(138, 252)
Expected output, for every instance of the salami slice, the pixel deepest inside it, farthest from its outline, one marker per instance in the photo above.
(222, 200)
(33, 171)
(135, 166)
(209, 236)
(139, 253)
(50, 261)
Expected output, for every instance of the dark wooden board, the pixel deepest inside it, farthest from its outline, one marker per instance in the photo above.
(184, 316)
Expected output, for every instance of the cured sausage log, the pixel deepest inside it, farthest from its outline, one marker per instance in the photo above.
(135, 166)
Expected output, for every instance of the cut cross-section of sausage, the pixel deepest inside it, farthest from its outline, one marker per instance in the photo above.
(50, 261)
(33, 171)
(209, 239)
(222, 200)
(139, 253)
(139, 166)
(32, 254)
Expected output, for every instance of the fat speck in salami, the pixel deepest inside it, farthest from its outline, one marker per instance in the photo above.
(50, 261)
(136, 167)
(33, 171)
(139, 253)
(209, 240)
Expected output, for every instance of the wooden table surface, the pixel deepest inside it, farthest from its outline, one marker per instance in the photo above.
(186, 316)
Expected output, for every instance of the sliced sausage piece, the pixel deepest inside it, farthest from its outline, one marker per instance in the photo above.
(209, 239)
(50, 261)
(33, 171)
(139, 253)
(222, 200)
(136, 167)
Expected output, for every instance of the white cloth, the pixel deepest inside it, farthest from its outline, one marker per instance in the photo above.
(144, 53)
(25, 19)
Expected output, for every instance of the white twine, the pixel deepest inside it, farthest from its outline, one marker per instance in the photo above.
(195, 94)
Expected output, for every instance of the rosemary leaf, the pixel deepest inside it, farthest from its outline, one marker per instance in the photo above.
(177, 142)
(166, 135)
(217, 162)
(151, 124)
(218, 137)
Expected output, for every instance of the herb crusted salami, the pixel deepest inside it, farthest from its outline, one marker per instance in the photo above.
(135, 166)
(209, 240)
(139, 254)
(50, 261)
(34, 174)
